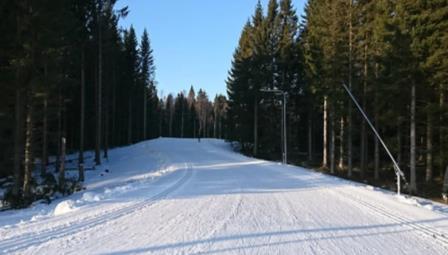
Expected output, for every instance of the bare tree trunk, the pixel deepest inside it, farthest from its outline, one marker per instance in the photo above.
(205, 130)
(341, 144)
(215, 125)
(170, 127)
(194, 129)
(332, 141)
(100, 89)
(145, 112)
(28, 161)
(160, 125)
(445, 182)
(399, 142)
(325, 135)
(363, 124)
(18, 143)
(106, 126)
(59, 132)
(441, 130)
(377, 159)
(350, 104)
(82, 119)
(129, 120)
(62, 166)
(310, 137)
(182, 121)
(412, 163)
(377, 119)
(114, 106)
(221, 135)
(255, 152)
(429, 149)
(44, 162)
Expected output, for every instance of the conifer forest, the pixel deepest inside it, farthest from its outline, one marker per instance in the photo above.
(393, 55)
(72, 80)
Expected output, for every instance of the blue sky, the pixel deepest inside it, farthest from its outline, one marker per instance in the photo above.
(193, 40)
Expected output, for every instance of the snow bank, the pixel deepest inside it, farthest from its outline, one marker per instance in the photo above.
(423, 203)
(91, 197)
(64, 207)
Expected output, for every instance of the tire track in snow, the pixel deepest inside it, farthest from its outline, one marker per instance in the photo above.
(15, 244)
(429, 233)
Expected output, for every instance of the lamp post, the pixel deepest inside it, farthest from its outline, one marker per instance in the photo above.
(284, 102)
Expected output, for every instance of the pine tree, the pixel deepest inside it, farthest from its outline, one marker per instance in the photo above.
(147, 72)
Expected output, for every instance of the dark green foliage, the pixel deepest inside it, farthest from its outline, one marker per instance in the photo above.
(379, 48)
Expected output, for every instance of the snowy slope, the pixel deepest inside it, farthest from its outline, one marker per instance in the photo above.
(174, 196)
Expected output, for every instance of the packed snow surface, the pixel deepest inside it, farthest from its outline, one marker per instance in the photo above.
(179, 196)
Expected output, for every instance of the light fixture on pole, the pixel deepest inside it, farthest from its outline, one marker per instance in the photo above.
(284, 102)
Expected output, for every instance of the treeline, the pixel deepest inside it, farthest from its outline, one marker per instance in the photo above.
(71, 80)
(193, 116)
(393, 57)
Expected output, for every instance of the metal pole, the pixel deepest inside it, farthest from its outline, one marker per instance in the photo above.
(283, 128)
(397, 169)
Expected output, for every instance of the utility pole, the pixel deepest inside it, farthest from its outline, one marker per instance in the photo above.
(284, 102)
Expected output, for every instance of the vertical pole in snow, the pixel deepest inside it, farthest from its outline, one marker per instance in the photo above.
(283, 129)
(397, 169)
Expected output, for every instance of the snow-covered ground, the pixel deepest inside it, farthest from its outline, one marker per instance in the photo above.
(178, 196)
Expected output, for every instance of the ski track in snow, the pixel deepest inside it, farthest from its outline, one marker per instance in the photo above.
(178, 196)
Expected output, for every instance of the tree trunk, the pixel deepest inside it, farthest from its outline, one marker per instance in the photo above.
(441, 130)
(99, 90)
(145, 112)
(377, 159)
(363, 124)
(341, 144)
(255, 152)
(82, 119)
(44, 162)
(376, 145)
(160, 123)
(412, 163)
(377, 127)
(310, 137)
(62, 166)
(170, 127)
(18, 143)
(429, 129)
(59, 132)
(130, 120)
(106, 126)
(28, 160)
(215, 126)
(445, 182)
(399, 143)
(182, 121)
(332, 141)
(114, 106)
(350, 104)
(325, 136)
(194, 128)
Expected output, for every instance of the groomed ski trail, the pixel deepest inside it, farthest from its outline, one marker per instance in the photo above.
(202, 198)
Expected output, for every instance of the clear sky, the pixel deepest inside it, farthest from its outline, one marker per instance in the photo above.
(193, 40)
